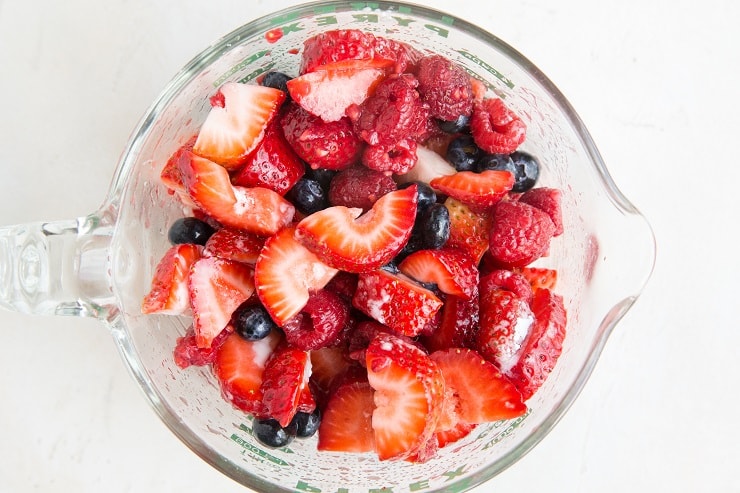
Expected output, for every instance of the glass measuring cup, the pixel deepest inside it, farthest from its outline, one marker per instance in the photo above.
(100, 265)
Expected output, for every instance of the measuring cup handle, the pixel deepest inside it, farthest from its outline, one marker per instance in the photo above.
(57, 267)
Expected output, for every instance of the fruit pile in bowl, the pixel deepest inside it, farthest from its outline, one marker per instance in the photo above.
(359, 251)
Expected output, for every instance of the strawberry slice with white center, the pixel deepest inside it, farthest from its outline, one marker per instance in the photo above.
(236, 122)
(345, 239)
(169, 293)
(409, 391)
(239, 365)
(452, 271)
(285, 273)
(328, 91)
(217, 288)
(478, 190)
(346, 421)
(257, 210)
(476, 390)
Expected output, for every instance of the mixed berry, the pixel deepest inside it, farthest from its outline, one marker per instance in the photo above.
(358, 264)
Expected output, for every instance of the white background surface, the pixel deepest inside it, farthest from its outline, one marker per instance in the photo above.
(655, 81)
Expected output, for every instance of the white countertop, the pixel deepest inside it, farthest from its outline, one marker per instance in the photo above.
(656, 82)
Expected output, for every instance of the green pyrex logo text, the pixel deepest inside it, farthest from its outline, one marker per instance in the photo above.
(290, 23)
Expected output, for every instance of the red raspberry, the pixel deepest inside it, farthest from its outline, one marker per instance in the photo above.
(335, 46)
(495, 128)
(329, 145)
(548, 200)
(319, 322)
(445, 87)
(188, 353)
(396, 158)
(520, 234)
(353, 44)
(508, 280)
(359, 187)
(395, 112)
(343, 284)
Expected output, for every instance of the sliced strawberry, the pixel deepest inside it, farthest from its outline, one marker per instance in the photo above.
(395, 301)
(505, 322)
(346, 240)
(284, 379)
(452, 435)
(328, 90)
(346, 422)
(458, 325)
(234, 244)
(238, 367)
(543, 345)
(257, 210)
(328, 364)
(409, 388)
(284, 274)
(306, 401)
(477, 190)
(480, 392)
(168, 293)
(540, 277)
(451, 270)
(469, 230)
(217, 288)
(236, 122)
(170, 175)
(273, 164)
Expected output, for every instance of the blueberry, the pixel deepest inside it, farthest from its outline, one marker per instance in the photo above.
(307, 424)
(391, 267)
(459, 124)
(252, 322)
(527, 171)
(321, 175)
(430, 232)
(425, 194)
(523, 166)
(463, 153)
(270, 433)
(190, 230)
(276, 80)
(434, 225)
(498, 162)
(308, 196)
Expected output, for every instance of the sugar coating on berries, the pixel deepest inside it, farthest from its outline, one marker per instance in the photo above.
(395, 112)
(445, 87)
(495, 128)
(397, 158)
(359, 187)
(330, 145)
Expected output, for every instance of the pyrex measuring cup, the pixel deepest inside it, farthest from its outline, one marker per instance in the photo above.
(100, 265)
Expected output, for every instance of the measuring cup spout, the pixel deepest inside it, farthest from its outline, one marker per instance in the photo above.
(57, 267)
